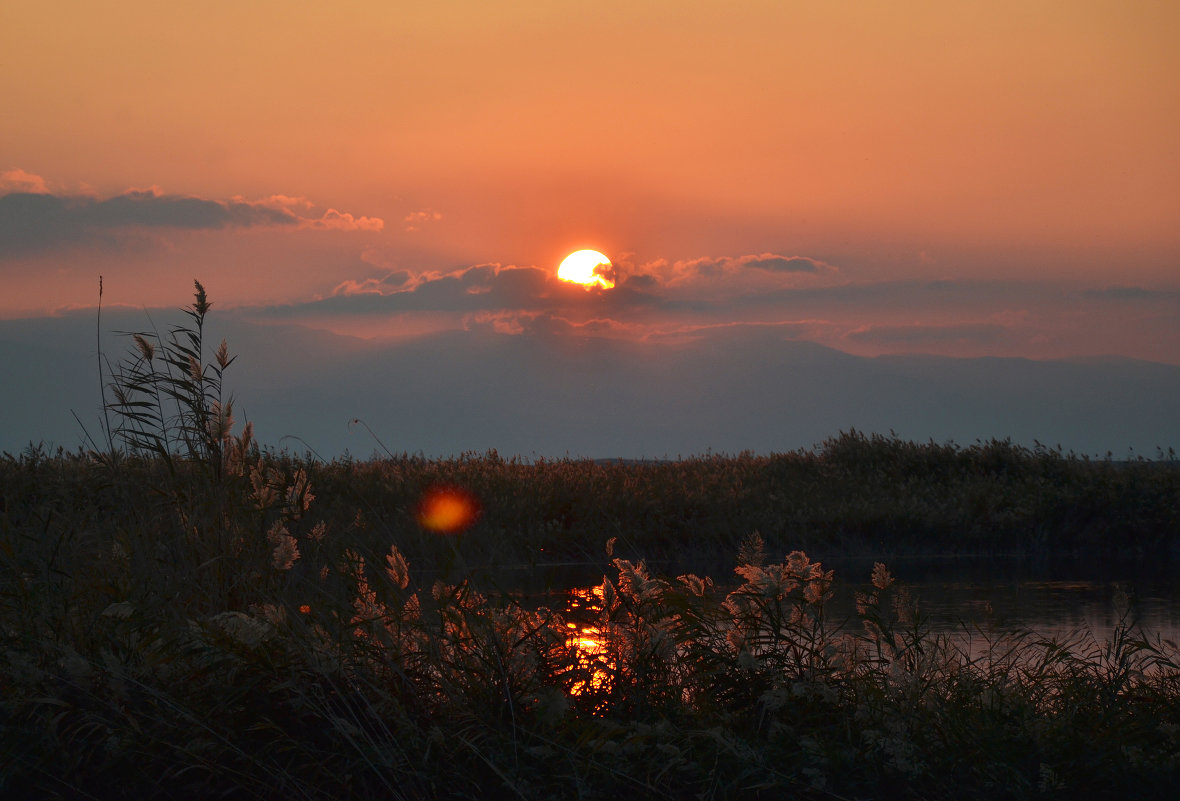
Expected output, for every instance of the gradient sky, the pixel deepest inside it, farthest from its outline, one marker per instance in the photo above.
(961, 178)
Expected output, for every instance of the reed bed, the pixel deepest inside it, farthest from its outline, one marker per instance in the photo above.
(186, 615)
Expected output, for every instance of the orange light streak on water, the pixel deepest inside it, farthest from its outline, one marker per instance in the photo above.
(586, 638)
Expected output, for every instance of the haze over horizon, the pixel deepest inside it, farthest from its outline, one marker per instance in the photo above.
(541, 394)
(797, 199)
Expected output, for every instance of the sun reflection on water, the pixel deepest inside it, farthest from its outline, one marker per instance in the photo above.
(583, 612)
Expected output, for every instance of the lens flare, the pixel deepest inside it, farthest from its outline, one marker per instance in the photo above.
(447, 510)
(589, 268)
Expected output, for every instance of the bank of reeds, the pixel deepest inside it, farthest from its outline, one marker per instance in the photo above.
(853, 494)
(183, 615)
(309, 669)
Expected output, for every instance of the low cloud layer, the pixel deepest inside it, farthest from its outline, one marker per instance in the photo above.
(771, 262)
(656, 286)
(1134, 293)
(797, 296)
(918, 334)
(33, 219)
(482, 288)
(704, 292)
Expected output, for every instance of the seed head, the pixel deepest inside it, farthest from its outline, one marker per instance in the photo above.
(202, 304)
(286, 551)
(881, 576)
(397, 568)
(146, 348)
(223, 358)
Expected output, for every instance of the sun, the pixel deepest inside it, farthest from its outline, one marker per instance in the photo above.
(588, 268)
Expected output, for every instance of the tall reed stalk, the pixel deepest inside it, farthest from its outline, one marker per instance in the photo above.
(169, 402)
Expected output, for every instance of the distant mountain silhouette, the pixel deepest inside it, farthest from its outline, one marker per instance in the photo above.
(554, 395)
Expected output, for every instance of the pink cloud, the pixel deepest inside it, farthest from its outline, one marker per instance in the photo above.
(19, 180)
(416, 220)
(370, 286)
(375, 285)
(546, 324)
(284, 201)
(333, 220)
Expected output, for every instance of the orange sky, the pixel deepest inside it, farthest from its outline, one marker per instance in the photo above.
(1022, 155)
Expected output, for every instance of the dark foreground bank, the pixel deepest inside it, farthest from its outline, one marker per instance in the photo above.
(246, 625)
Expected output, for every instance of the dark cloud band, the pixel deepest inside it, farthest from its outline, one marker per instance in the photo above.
(32, 222)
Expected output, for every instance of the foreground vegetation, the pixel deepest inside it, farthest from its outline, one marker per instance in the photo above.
(854, 495)
(183, 615)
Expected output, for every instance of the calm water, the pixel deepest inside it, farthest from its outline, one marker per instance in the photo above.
(1058, 597)
(1050, 598)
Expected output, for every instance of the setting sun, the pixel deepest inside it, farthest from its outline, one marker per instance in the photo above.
(589, 268)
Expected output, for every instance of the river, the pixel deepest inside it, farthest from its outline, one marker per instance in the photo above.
(1058, 597)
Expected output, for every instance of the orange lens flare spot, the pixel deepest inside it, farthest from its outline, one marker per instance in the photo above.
(447, 510)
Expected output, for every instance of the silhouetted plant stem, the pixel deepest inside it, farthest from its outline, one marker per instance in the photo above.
(101, 381)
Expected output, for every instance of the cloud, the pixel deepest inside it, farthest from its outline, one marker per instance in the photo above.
(283, 200)
(150, 209)
(929, 334)
(906, 295)
(658, 296)
(374, 286)
(784, 264)
(414, 221)
(497, 322)
(32, 221)
(333, 220)
(782, 329)
(1132, 293)
(690, 270)
(494, 288)
(546, 324)
(20, 181)
(643, 282)
(799, 285)
(482, 287)
(666, 302)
